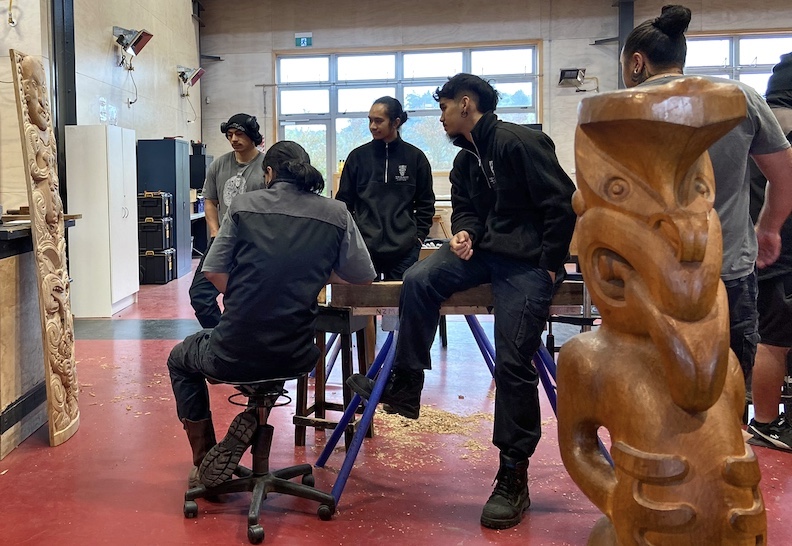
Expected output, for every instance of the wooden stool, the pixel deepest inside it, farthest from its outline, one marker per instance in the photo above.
(341, 321)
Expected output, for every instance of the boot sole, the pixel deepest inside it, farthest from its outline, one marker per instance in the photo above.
(400, 410)
(219, 464)
(500, 524)
(360, 386)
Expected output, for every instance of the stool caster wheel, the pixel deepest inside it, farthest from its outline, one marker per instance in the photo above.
(309, 480)
(255, 534)
(325, 512)
(190, 509)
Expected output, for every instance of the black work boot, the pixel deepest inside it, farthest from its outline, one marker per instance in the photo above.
(201, 435)
(222, 460)
(402, 391)
(510, 498)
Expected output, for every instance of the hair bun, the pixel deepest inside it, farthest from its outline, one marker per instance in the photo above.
(673, 20)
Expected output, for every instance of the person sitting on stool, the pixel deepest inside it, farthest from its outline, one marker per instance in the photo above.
(230, 174)
(276, 249)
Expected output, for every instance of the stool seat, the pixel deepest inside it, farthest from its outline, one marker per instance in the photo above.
(262, 396)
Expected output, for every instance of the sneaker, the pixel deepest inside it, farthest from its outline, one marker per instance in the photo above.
(777, 434)
(402, 393)
(510, 497)
(222, 460)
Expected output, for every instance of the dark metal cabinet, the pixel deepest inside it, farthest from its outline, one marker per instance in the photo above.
(164, 165)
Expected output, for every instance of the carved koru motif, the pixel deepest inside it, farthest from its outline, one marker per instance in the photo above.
(46, 220)
(658, 374)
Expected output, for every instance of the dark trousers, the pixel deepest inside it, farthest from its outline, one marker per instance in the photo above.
(188, 364)
(743, 322)
(521, 296)
(393, 270)
(203, 296)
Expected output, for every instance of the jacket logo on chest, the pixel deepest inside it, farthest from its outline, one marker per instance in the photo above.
(402, 177)
(491, 176)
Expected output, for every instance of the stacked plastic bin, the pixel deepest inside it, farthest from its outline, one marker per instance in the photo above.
(155, 237)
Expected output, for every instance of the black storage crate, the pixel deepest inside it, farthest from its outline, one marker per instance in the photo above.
(155, 234)
(155, 204)
(156, 267)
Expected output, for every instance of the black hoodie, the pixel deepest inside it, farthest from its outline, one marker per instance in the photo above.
(388, 190)
(511, 195)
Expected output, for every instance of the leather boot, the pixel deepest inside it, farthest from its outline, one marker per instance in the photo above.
(510, 498)
(402, 393)
(201, 435)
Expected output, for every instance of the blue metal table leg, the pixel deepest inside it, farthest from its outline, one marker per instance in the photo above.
(543, 368)
(328, 347)
(350, 410)
(546, 367)
(487, 351)
(333, 356)
(365, 421)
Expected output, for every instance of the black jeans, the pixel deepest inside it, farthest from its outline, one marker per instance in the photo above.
(521, 296)
(203, 296)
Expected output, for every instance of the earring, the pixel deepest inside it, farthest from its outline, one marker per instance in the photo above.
(464, 113)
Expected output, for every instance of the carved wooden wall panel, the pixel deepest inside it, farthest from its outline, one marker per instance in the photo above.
(46, 220)
(658, 374)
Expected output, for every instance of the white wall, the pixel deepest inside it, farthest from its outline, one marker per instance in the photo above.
(248, 35)
(160, 110)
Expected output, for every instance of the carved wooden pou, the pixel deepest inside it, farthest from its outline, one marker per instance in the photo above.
(47, 229)
(658, 374)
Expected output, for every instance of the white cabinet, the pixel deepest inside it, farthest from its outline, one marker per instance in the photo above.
(101, 170)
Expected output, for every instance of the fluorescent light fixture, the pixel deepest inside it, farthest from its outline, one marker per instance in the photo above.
(131, 41)
(189, 76)
(572, 77)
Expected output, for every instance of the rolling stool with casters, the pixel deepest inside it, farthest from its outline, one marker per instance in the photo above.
(262, 396)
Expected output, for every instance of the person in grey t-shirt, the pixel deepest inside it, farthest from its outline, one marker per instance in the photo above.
(231, 174)
(654, 53)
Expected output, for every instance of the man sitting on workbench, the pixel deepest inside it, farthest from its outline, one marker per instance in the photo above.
(512, 222)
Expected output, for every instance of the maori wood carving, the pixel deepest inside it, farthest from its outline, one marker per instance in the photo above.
(658, 374)
(46, 221)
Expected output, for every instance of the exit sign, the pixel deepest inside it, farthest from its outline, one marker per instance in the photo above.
(303, 39)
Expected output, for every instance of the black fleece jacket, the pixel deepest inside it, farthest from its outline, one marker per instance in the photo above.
(511, 195)
(388, 190)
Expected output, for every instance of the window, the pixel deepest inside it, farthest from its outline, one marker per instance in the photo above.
(323, 100)
(749, 59)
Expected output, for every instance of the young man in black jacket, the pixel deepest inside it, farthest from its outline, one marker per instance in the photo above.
(512, 222)
(387, 186)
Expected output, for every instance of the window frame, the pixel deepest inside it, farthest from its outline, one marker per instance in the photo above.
(733, 69)
(399, 83)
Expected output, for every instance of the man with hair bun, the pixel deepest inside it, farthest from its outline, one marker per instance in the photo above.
(230, 174)
(276, 249)
(387, 186)
(653, 54)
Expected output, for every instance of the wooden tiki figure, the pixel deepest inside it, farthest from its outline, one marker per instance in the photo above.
(46, 221)
(658, 374)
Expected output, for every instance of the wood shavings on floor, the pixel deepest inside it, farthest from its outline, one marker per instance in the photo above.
(406, 439)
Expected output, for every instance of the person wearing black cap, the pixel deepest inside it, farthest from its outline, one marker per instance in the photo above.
(230, 174)
(769, 427)
(276, 249)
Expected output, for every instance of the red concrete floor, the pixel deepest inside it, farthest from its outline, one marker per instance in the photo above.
(120, 480)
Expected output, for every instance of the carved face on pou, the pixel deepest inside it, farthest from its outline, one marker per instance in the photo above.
(36, 93)
(652, 211)
(649, 240)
